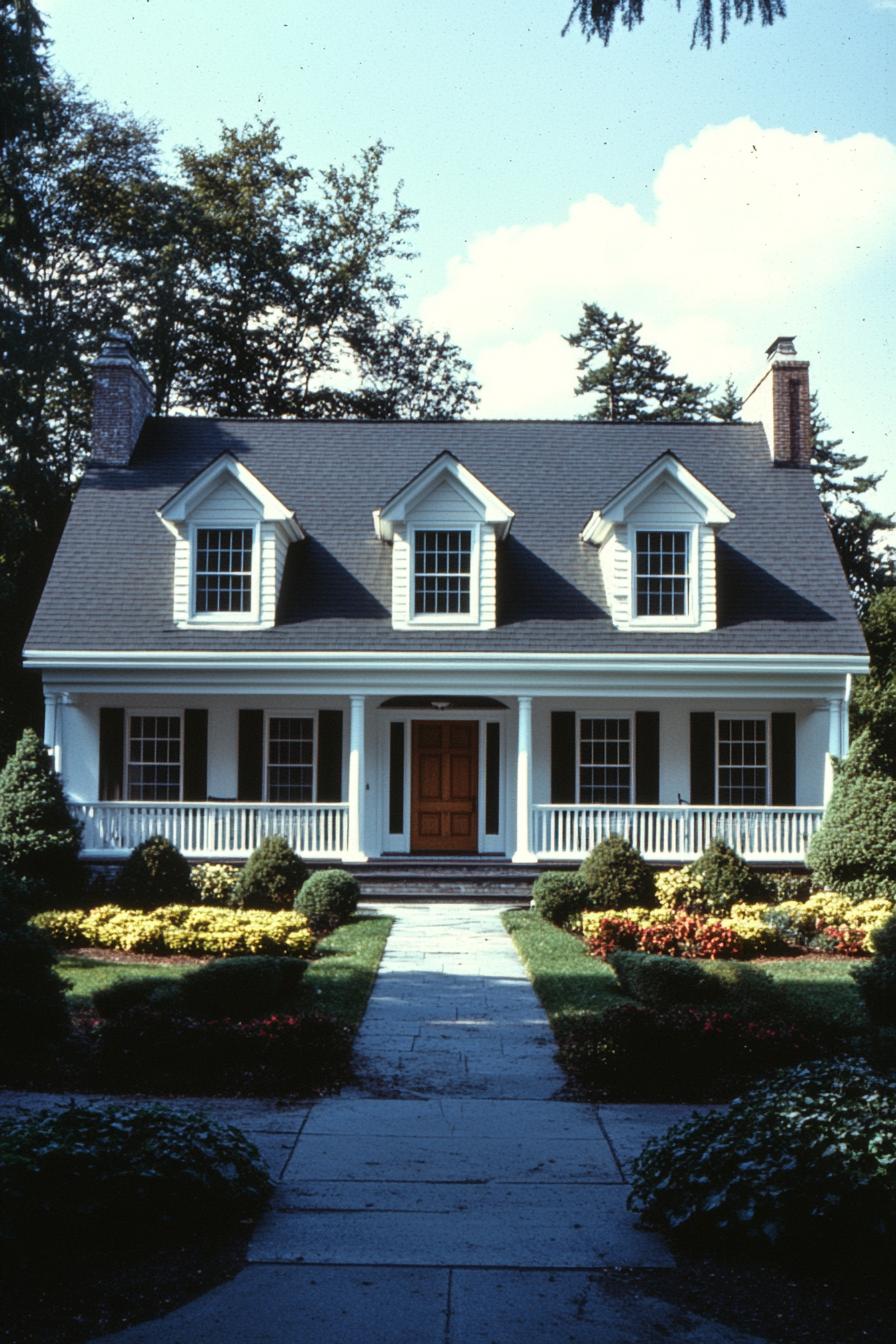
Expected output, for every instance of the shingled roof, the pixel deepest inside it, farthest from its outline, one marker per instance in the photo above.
(781, 587)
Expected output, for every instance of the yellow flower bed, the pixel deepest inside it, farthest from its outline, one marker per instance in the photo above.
(181, 930)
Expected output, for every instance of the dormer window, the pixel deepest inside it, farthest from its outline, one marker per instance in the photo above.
(442, 568)
(662, 574)
(223, 570)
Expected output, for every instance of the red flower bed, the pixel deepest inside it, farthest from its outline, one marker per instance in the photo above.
(683, 936)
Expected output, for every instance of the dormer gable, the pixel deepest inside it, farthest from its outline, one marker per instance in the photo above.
(231, 537)
(657, 545)
(444, 526)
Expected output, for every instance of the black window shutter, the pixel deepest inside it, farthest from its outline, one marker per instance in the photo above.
(647, 756)
(396, 778)
(195, 755)
(563, 756)
(784, 760)
(492, 778)
(250, 756)
(703, 758)
(111, 780)
(329, 756)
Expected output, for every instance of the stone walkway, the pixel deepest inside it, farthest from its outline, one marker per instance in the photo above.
(451, 1196)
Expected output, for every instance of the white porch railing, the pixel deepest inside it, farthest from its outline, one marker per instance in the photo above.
(766, 834)
(214, 830)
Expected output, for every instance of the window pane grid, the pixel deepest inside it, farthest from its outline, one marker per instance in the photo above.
(442, 572)
(743, 762)
(154, 758)
(605, 761)
(224, 569)
(662, 574)
(290, 760)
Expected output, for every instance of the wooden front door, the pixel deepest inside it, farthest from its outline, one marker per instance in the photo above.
(444, 773)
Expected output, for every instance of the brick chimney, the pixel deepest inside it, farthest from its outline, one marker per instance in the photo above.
(780, 400)
(122, 399)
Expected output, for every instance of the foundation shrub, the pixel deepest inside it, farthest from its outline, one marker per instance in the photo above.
(616, 875)
(328, 898)
(33, 1014)
(685, 1053)
(155, 873)
(786, 887)
(216, 883)
(122, 1179)
(724, 880)
(272, 877)
(281, 1053)
(180, 930)
(801, 1165)
(854, 849)
(559, 896)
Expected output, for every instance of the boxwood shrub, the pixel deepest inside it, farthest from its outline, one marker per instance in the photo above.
(328, 898)
(616, 876)
(725, 879)
(802, 1164)
(558, 896)
(272, 876)
(155, 873)
(111, 1177)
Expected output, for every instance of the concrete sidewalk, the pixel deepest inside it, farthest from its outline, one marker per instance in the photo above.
(450, 1196)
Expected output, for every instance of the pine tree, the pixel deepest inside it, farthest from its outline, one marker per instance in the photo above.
(631, 379)
(869, 565)
(39, 839)
(726, 407)
(597, 17)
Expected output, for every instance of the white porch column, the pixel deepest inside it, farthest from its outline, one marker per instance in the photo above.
(356, 782)
(51, 726)
(523, 852)
(837, 741)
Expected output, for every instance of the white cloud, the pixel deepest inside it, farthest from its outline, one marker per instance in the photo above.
(751, 228)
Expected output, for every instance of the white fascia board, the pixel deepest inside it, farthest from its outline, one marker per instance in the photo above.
(715, 513)
(273, 510)
(494, 510)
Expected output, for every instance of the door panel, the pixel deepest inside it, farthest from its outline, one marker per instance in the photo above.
(444, 774)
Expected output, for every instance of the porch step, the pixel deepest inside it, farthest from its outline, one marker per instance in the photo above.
(445, 880)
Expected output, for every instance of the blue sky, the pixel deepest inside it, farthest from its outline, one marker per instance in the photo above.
(722, 198)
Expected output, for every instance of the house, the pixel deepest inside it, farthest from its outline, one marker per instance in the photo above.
(492, 639)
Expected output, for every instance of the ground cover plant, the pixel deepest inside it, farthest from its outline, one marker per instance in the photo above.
(109, 1215)
(804, 1165)
(181, 930)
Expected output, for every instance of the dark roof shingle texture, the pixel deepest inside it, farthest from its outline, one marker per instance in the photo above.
(781, 587)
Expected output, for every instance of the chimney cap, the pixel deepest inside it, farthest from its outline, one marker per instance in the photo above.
(782, 345)
(118, 344)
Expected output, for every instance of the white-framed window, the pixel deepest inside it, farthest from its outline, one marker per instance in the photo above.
(223, 570)
(154, 757)
(605, 760)
(289, 776)
(662, 573)
(742, 753)
(443, 572)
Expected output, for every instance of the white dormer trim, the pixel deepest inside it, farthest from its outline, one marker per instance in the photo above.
(444, 496)
(602, 521)
(665, 497)
(445, 467)
(253, 507)
(186, 501)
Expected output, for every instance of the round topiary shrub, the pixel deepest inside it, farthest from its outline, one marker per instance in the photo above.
(854, 848)
(126, 1179)
(153, 874)
(616, 876)
(33, 1012)
(329, 898)
(272, 877)
(800, 1164)
(39, 838)
(725, 880)
(559, 896)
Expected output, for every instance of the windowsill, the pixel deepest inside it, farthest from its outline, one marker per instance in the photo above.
(206, 623)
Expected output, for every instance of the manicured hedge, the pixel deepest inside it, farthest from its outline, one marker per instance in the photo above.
(181, 930)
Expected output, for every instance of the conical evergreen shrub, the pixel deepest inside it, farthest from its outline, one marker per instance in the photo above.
(39, 838)
(854, 849)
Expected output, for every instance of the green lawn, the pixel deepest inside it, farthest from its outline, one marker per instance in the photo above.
(571, 984)
(337, 983)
